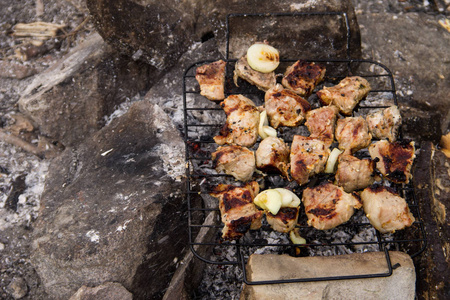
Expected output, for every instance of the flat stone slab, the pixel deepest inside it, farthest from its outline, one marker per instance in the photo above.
(400, 285)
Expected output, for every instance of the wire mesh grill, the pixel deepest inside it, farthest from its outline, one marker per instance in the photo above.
(203, 120)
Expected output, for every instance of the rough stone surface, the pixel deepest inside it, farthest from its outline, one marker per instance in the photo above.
(112, 209)
(400, 285)
(125, 25)
(18, 288)
(110, 291)
(86, 84)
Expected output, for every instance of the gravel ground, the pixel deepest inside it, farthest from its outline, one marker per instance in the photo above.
(22, 175)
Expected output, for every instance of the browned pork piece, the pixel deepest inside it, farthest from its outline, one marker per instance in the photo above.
(235, 160)
(273, 155)
(352, 133)
(384, 124)
(263, 81)
(353, 173)
(385, 209)
(308, 157)
(346, 95)
(284, 107)
(241, 126)
(302, 77)
(285, 220)
(394, 160)
(239, 213)
(321, 123)
(328, 206)
(211, 78)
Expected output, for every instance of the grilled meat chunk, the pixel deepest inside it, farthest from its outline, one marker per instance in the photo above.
(385, 209)
(273, 155)
(384, 124)
(235, 160)
(308, 157)
(239, 213)
(328, 206)
(352, 133)
(346, 95)
(284, 107)
(241, 126)
(285, 220)
(302, 77)
(394, 160)
(353, 173)
(263, 81)
(211, 78)
(321, 123)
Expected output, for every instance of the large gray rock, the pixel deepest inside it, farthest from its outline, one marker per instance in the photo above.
(135, 27)
(112, 209)
(69, 100)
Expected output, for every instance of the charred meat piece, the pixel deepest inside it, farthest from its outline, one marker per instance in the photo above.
(353, 173)
(308, 157)
(394, 160)
(241, 126)
(239, 213)
(285, 220)
(384, 124)
(284, 107)
(302, 77)
(263, 81)
(352, 133)
(385, 209)
(273, 155)
(235, 160)
(211, 78)
(321, 123)
(346, 95)
(328, 206)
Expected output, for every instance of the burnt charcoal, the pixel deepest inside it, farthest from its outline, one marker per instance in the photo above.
(419, 125)
(18, 187)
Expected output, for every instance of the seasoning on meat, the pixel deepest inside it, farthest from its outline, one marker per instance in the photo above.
(239, 213)
(394, 160)
(263, 81)
(385, 209)
(285, 220)
(302, 77)
(211, 78)
(384, 124)
(346, 95)
(353, 173)
(241, 126)
(308, 157)
(352, 133)
(273, 155)
(328, 206)
(284, 107)
(321, 123)
(235, 160)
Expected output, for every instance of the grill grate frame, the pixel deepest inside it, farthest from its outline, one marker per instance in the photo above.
(203, 120)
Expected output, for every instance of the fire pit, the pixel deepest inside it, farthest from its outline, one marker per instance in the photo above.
(203, 120)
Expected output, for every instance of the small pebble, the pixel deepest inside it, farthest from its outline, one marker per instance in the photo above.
(18, 288)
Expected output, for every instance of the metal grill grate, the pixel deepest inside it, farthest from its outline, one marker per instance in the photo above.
(203, 120)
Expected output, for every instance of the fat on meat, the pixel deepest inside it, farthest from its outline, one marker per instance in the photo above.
(308, 157)
(211, 78)
(394, 160)
(238, 212)
(273, 155)
(385, 124)
(262, 81)
(302, 77)
(235, 160)
(353, 134)
(284, 107)
(328, 205)
(241, 126)
(345, 95)
(385, 209)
